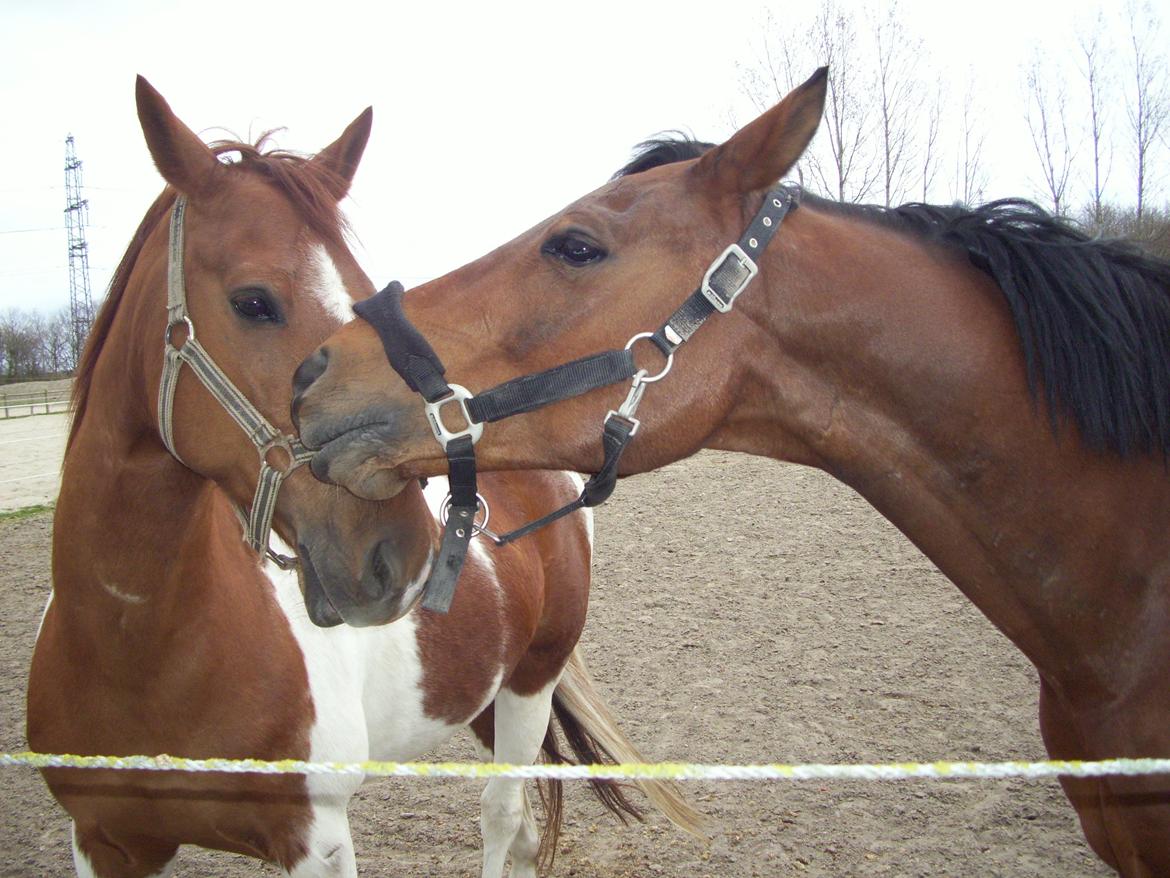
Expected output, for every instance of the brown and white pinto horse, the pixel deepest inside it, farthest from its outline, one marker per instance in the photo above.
(994, 382)
(165, 633)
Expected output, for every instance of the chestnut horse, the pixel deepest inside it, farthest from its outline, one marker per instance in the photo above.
(166, 633)
(993, 382)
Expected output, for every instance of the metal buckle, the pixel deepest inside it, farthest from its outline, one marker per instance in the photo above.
(717, 298)
(459, 394)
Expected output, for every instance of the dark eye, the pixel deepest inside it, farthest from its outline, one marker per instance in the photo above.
(254, 305)
(573, 250)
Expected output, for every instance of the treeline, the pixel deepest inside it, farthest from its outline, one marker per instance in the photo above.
(35, 345)
(1096, 109)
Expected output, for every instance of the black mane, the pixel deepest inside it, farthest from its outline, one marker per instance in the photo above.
(665, 149)
(1093, 315)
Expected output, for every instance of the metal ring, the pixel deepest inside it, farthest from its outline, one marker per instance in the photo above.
(171, 326)
(476, 527)
(650, 379)
(284, 443)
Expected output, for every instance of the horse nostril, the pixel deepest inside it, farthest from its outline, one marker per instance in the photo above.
(382, 574)
(309, 371)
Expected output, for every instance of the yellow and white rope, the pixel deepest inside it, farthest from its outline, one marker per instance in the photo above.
(634, 771)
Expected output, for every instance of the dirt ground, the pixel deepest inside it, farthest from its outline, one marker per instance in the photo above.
(828, 639)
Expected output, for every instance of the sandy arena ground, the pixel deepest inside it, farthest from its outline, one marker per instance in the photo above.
(828, 638)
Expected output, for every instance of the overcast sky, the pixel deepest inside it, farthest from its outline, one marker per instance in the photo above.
(487, 116)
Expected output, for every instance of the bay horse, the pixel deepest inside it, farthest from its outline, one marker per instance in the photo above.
(166, 633)
(991, 380)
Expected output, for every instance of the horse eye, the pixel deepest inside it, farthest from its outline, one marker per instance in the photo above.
(255, 306)
(573, 250)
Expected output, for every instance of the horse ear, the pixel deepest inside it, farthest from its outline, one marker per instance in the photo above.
(180, 156)
(760, 153)
(342, 156)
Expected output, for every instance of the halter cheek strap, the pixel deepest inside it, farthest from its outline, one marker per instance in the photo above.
(417, 363)
(269, 441)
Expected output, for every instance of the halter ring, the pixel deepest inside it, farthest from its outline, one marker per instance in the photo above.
(650, 379)
(171, 327)
(476, 527)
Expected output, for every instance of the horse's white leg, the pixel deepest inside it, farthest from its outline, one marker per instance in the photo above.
(330, 851)
(506, 819)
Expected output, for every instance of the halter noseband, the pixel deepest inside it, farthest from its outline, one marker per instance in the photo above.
(264, 436)
(417, 363)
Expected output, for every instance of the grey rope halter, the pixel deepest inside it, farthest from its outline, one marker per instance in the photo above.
(264, 436)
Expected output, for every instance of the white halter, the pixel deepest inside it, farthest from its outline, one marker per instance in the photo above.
(264, 436)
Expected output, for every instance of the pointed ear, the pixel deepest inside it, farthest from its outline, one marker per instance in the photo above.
(342, 156)
(180, 156)
(760, 153)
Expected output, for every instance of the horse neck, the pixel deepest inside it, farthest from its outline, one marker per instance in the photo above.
(127, 510)
(895, 367)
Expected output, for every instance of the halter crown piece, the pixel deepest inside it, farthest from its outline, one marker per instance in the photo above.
(264, 436)
(420, 367)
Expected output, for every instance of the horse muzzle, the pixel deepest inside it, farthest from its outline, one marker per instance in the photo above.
(359, 438)
(382, 593)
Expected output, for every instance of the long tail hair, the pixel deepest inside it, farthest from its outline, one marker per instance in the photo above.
(592, 733)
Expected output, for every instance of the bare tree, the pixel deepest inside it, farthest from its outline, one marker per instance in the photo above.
(901, 101)
(928, 157)
(1047, 117)
(1149, 103)
(970, 177)
(852, 167)
(1097, 81)
(842, 162)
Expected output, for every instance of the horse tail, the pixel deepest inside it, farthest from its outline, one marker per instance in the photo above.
(592, 733)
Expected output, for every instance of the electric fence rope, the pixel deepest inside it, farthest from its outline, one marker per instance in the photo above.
(944, 770)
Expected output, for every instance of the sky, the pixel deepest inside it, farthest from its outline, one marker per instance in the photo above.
(488, 117)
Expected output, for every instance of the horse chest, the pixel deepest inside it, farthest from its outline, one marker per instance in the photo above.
(368, 686)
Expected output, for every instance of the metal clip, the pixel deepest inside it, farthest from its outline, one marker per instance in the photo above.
(630, 404)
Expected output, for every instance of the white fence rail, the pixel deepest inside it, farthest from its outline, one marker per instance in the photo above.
(18, 403)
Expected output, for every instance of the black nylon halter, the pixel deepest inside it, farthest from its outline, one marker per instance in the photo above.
(416, 362)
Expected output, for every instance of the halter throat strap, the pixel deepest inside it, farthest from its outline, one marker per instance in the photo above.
(280, 453)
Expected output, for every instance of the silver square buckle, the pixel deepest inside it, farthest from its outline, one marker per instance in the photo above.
(459, 394)
(742, 265)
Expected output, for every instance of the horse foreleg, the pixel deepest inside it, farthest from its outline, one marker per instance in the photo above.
(506, 819)
(1062, 742)
(97, 855)
(329, 849)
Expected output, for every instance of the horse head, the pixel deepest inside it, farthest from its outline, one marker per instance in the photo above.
(257, 254)
(602, 271)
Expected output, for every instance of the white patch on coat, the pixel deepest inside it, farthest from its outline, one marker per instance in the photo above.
(328, 287)
(44, 613)
(116, 592)
(365, 685)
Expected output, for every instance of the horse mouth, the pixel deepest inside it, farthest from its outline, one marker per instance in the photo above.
(356, 459)
(320, 607)
(383, 593)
